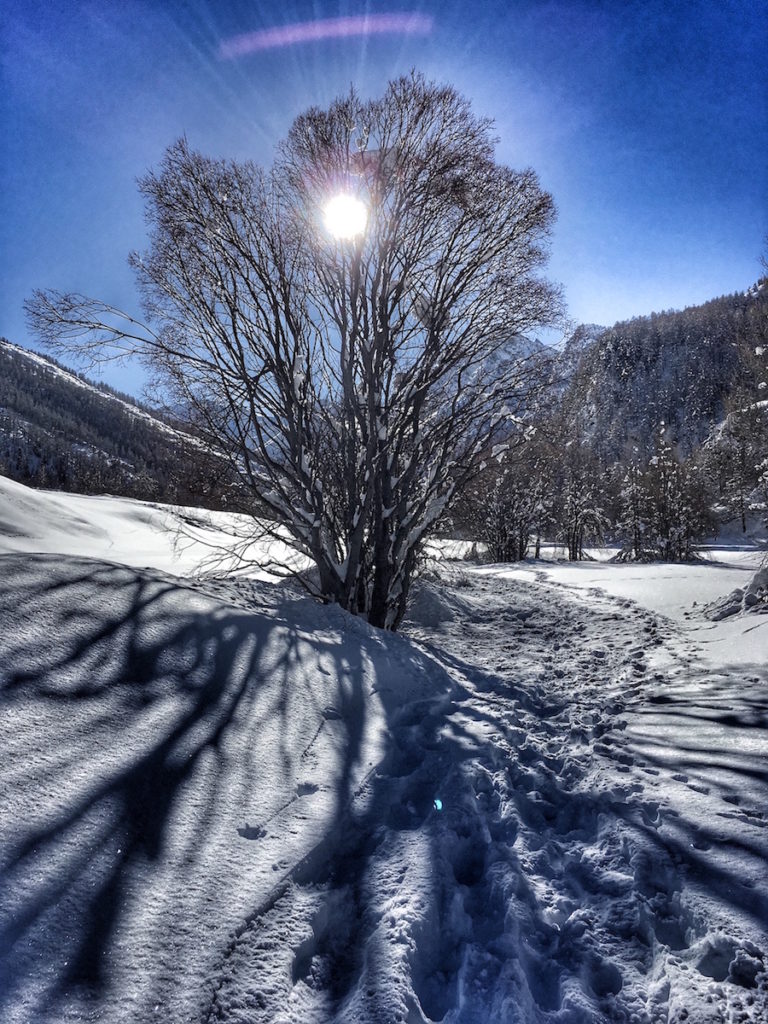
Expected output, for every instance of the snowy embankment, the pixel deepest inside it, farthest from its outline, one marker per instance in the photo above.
(142, 534)
(222, 802)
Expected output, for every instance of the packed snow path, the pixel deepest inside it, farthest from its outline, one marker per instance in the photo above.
(222, 803)
(569, 836)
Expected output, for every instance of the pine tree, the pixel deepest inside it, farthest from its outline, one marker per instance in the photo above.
(633, 523)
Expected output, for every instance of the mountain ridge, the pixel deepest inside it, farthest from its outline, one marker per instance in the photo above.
(59, 429)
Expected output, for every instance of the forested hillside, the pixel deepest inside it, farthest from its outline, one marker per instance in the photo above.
(59, 430)
(656, 435)
(679, 369)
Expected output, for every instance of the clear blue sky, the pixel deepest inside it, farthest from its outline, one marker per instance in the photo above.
(647, 121)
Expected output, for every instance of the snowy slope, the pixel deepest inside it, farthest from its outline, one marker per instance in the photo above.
(52, 370)
(221, 802)
(137, 533)
(170, 758)
(58, 430)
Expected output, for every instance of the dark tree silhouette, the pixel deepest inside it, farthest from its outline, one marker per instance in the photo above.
(352, 381)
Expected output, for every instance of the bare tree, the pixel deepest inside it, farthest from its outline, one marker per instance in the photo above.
(352, 381)
(506, 505)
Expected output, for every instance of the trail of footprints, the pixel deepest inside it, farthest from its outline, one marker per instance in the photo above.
(532, 876)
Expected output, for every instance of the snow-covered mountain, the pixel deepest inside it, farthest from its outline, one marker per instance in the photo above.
(519, 346)
(59, 429)
(676, 368)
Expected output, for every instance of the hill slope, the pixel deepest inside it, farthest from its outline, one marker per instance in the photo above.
(58, 429)
(676, 369)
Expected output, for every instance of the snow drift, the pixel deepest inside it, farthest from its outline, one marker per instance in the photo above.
(751, 598)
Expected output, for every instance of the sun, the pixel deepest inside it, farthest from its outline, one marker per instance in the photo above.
(345, 216)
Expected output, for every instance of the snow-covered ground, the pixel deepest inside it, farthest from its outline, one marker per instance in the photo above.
(677, 592)
(546, 802)
(179, 540)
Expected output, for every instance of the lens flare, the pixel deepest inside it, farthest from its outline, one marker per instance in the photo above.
(345, 216)
(400, 23)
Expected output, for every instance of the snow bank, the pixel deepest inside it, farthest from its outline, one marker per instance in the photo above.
(175, 756)
(429, 605)
(136, 533)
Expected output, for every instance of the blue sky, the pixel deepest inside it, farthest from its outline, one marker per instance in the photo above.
(647, 121)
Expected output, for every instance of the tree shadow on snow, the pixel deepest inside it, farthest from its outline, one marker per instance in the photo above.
(140, 692)
(410, 885)
(135, 727)
(709, 741)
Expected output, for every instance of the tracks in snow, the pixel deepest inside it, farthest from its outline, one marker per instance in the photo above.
(512, 858)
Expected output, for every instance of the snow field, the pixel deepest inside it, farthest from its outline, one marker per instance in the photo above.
(561, 881)
(638, 893)
(221, 802)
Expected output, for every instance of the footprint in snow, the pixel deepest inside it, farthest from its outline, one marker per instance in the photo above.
(252, 831)
(700, 843)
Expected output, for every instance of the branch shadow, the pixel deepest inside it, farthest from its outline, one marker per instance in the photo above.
(138, 726)
(706, 741)
(149, 702)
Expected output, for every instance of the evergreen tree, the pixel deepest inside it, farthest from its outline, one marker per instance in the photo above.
(678, 503)
(632, 526)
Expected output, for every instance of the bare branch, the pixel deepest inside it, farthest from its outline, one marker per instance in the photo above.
(354, 383)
